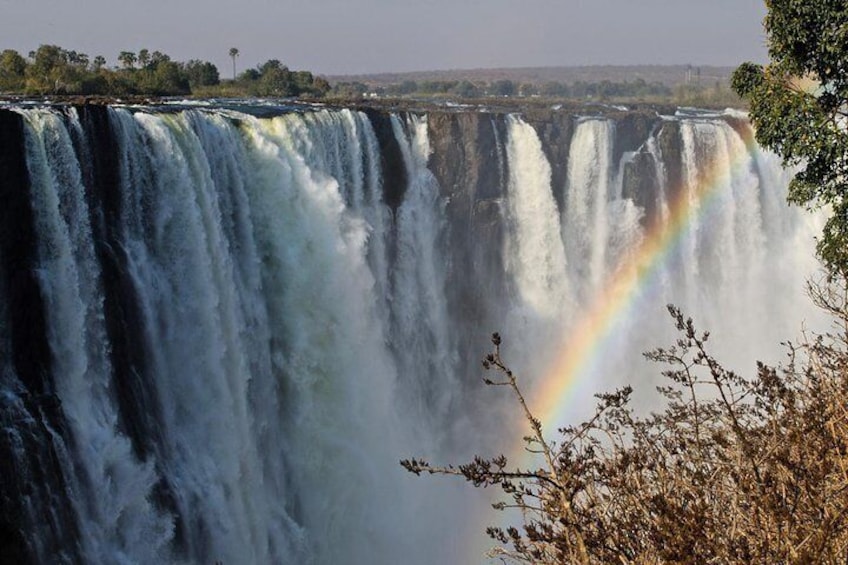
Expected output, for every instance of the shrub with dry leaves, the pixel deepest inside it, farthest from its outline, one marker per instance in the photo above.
(732, 470)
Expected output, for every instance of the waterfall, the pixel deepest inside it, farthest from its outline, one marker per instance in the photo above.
(538, 258)
(222, 328)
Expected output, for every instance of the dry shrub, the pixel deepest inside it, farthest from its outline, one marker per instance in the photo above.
(733, 470)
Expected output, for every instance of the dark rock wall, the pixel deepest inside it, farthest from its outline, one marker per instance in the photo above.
(35, 516)
(469, 162)
(391, 158)
(670, 147)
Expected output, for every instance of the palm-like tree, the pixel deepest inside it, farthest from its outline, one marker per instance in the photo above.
(233, 54)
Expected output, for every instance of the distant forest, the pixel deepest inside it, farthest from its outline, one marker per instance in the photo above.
(676, 84)
(53, 70)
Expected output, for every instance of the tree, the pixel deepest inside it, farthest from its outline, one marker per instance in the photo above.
(165, 78)
(77, 59)
(158, 58)
(49, 69)
(233, 54)
(143, 58)
(201, 73)
(466, 89)
(557, 89)
(503, 87)
(320, 86)
(799, 107)
(732, 471)
(98, 63)
(276, 80)
(12, 70)
(127, 59)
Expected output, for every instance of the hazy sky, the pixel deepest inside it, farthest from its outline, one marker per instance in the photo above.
(352, 36)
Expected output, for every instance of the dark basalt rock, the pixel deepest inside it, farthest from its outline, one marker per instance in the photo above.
(469, 162)
(632, 130)
(669, 144)
(391, 158)
(640, 184)
(34, 505)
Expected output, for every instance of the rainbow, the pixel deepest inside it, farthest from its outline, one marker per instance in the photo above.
(593, 334)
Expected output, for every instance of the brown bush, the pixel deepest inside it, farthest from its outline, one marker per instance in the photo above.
(732, 470)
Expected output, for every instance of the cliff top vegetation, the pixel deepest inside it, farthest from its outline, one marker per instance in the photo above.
(53, 70)
(650, 84)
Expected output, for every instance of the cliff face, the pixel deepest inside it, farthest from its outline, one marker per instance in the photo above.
(34, 432)
(469, 161)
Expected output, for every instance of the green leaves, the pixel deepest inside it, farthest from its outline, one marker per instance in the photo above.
(799, 107)
(746, 78)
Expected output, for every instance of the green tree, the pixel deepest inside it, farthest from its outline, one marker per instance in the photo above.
(127, 59)
(48, 72)
(165, 78)
(12, 70)
(78, 59)
(201, 73)
(276, 80)
(158, 58)
(407, 87)
(555, 89)
(143, 58)
(503, 87)
(799, 107)
(466, 89)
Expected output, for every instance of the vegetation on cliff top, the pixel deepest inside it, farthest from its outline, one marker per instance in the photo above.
(53, 70)
(693, 93)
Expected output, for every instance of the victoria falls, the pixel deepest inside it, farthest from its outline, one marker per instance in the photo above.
(223, 323)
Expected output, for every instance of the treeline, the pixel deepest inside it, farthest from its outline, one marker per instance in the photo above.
(54, 70)
(695, 92)
(505, 87)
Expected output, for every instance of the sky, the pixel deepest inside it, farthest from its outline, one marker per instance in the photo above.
(367, 36)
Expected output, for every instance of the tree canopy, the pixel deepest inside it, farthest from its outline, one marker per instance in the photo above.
(799, 107)
(52, 69)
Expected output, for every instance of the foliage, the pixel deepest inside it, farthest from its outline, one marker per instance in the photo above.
(201, 73)
(272, 78)
(733, 470)
(54, 70)
(798, 105)
(12, 70)
(714, 94)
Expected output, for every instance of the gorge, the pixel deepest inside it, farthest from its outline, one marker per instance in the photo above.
(222, 324)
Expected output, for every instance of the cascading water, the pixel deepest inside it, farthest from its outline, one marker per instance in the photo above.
(247, 319)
